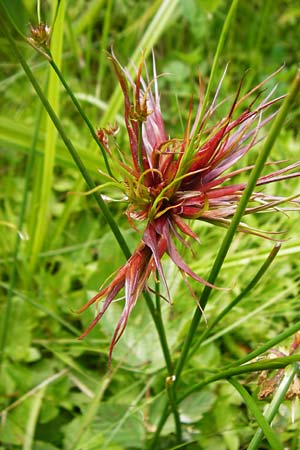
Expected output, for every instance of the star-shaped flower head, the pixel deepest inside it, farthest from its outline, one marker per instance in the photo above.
(168, 180)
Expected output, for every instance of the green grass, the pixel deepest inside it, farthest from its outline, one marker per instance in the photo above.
(56, 392)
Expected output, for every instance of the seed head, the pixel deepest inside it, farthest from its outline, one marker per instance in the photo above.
(168, 180)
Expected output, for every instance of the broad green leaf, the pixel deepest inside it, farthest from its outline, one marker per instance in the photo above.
(194, 406)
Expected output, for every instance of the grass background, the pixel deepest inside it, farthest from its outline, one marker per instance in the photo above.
(55, 391)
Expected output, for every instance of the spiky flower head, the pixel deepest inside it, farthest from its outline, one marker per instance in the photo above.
(167, 180)
(40, 37)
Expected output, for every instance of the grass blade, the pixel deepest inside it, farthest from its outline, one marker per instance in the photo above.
(260, 419)
(42, 222)
(273, 408)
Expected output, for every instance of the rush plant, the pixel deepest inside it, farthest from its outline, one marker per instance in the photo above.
(166, 184)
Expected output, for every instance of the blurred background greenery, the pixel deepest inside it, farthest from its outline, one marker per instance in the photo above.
(56, 392)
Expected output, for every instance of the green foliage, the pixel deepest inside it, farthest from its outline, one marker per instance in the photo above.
(50, 397)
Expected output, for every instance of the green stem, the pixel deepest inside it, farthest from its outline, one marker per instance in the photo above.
(89, 414)
(260, 419)
(33, 416)
(161, 332)
(170, 379)
(68, 144)
(103, 46)
(165, 414)
(273, 407)
(269, 344)
(173, 406)
(262, 270)
(266, 364)
(82, 113)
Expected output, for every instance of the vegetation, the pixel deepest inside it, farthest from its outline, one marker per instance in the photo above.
(203, 367)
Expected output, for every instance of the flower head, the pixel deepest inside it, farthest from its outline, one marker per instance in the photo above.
(167, 180)
(40, 36)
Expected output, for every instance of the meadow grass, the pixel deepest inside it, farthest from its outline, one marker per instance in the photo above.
(58, 248)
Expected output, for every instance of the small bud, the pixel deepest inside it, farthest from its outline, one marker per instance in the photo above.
(40, 38)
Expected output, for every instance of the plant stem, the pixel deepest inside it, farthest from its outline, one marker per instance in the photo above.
(269, 344)
(262, 270)
(170, 379)
(161, 332)
(273, 407)
(82, 113)
(266, 364)
(260, 419)
(32, 419)
(89, 415)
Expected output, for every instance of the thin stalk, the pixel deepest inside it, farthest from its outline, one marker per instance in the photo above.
(254, 175)
(88, 17)
(170, 379)
(69, 206)
(157, 317)
(165, 414)
(82, 113)
(269, 344)
(105, 210)
(262, 270)
(173, 406)
(273, 407)
(260, 419)
(90, 413)
(103, 46)
(161, 332)
(266, 364)
(32, 419)
(40, 307)
(256, 312)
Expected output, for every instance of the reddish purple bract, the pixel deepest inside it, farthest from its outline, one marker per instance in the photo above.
(166, 181)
